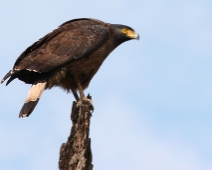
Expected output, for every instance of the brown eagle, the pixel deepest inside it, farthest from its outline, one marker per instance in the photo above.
(67, 57)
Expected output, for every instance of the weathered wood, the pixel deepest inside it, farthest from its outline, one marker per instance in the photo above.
(76, 153)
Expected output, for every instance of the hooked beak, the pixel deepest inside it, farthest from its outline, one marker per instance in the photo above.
(136, 36)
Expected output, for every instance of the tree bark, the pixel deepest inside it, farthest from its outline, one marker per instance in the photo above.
(76, 153)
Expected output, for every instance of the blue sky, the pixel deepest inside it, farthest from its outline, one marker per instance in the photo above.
(152, 97)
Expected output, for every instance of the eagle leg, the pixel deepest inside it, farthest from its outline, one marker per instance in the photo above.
(83, 98)
(75, 95)
(82, 95)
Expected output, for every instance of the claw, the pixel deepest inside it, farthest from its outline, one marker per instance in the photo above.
(91, 107)
(84, 101)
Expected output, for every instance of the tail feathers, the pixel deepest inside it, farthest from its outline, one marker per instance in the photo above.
(32, 99)
(28, 108)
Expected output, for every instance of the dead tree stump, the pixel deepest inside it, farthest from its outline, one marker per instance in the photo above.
(76, 153)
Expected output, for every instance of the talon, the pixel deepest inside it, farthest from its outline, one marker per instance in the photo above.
(91, 108)
(84, 101)
(89, 96)
(79, 103)
(87, 100)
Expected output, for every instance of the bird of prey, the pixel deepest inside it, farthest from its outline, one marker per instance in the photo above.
(67, 57)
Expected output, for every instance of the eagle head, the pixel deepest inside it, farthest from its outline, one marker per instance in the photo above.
(124, 33)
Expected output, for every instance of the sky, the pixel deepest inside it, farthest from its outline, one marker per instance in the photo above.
(152, 97)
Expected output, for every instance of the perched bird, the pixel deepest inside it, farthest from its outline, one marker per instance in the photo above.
(67, 57)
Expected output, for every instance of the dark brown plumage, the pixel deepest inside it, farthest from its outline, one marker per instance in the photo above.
(67, 57)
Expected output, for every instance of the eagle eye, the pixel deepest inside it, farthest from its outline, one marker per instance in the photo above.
(129, 33)
(125, 30)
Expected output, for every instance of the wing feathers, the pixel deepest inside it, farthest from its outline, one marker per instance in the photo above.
(32, 99)
(6, 76)
(71, 41)
(12, 74)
